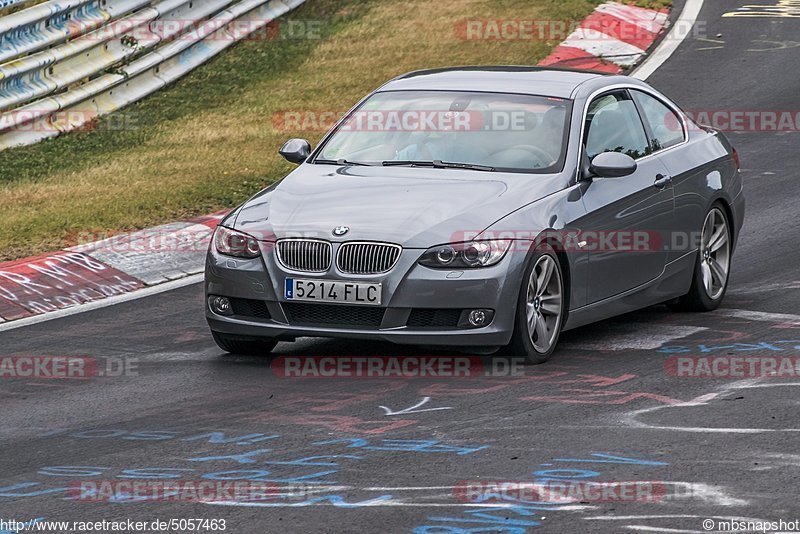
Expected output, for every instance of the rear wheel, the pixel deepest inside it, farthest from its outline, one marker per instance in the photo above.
(712, 266)
(540, 310)
(244, 345)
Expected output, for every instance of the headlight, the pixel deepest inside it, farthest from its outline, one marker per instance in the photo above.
(232, 243)
(466, 255)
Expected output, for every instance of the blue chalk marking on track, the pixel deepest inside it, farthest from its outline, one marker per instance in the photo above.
(602, 458)
(335, 500)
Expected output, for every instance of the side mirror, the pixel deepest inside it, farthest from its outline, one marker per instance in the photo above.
(612, 165)
(296, 150)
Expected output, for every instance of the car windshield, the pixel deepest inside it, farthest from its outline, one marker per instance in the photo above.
(461, 130)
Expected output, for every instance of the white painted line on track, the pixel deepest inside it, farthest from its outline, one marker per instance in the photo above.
(680, 30)
(631, 419)
(706, 430)
(634, 336)
(770, 385)
(413, 409)
(761, 316)
(104, 303)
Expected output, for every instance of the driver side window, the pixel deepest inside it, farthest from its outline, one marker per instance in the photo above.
(613, 125)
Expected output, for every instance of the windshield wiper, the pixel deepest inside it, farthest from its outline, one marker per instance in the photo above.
(408, 163)
(470, 166)
(437, 164)
(342, 162)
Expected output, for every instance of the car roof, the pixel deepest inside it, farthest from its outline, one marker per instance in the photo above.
(553, 82)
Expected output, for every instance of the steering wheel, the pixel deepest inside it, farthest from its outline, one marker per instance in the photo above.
(423, 152)
(543, 156)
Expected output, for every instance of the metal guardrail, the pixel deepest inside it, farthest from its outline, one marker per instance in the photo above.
(63, 63)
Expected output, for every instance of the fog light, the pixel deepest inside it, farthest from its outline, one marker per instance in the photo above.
(475, 318)
(220, 305)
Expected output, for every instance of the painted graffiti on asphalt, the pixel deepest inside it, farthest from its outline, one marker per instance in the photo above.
(58, 281)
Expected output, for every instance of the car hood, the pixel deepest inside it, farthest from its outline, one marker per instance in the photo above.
(414, 207)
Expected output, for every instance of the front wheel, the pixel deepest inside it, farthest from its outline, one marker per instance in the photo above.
(540, 309)
(244, 345)
(710, 280)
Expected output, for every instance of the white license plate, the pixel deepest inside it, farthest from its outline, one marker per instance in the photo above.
(333, 291)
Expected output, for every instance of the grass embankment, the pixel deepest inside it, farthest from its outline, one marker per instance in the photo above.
(208, 142)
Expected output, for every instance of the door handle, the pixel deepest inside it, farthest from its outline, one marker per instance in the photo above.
(662, 181)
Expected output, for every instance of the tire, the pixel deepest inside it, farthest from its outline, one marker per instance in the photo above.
(712, 265)
(539, 306)
(244, 345)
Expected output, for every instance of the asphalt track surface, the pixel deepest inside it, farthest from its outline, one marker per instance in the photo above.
(604, 409)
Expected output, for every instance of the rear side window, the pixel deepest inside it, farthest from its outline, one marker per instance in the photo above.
(613, 125)
(665, 125)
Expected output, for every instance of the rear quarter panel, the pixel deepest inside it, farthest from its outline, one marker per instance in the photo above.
(703, 171)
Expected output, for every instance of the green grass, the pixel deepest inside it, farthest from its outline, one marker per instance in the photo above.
(653, 4)
(19, 7)
(208, 142)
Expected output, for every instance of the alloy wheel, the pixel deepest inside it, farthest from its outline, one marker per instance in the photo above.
(543, 303)
(715, 253)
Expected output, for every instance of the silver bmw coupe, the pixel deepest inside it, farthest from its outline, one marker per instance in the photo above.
(487, 208)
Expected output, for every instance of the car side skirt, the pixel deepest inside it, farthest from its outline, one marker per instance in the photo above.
(673, 282)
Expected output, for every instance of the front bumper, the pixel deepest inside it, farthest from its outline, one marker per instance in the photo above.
(408, 286)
